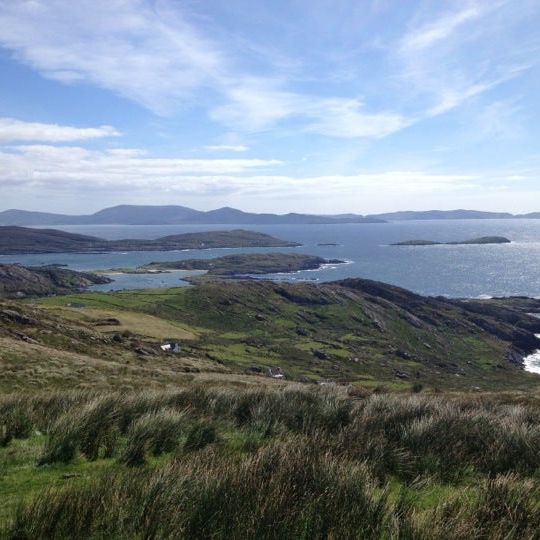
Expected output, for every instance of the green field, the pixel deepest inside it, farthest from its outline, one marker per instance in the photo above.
(399, 417)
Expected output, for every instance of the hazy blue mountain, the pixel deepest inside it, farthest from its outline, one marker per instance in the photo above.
(24, 217)
(442, 214)
(144, 215)
(175, 215)
(170, 215)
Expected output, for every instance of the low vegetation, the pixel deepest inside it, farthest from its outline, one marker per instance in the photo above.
(414, 419)
(250, 263)
(295, 462)
(349, 331)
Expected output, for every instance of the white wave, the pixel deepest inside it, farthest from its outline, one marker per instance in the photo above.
(532, 362)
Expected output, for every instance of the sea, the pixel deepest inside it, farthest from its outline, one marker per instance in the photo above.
(454, 271)
(462, 271)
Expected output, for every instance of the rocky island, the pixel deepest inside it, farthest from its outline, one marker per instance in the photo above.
(18, 281)
(243, 264)
(22, 240)
(474, 241)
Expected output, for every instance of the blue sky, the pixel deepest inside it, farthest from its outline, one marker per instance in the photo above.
(320, 106)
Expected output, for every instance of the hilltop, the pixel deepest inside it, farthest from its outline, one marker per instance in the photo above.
(22, 240)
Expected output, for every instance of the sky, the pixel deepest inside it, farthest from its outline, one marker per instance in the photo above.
(320, 106)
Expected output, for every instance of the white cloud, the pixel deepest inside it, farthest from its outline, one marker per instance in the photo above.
(149, 53)
(256, 107)
(73, 168)
(49, 165)
(227, 148)
(441, 28)
(80, 177)
(12, 130)
(144, 51)
(347, 118)
(462, 54)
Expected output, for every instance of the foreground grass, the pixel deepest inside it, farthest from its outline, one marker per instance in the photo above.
(293, 462)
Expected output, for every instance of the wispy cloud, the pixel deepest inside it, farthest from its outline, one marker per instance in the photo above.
(144, 51)
(254, 107)
(454, 56)
(13, 130)
(151, 54)
(432, 32)
(348, 118)
(227, 148)
(74, 167)
(47, 165)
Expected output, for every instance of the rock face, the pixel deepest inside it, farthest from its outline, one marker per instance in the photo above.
(251, 263)
(19, 281)
(474, 241)
(21, 240)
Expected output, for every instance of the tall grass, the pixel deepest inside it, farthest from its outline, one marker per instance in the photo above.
(323, 465)
(157, 432)
(288, 490)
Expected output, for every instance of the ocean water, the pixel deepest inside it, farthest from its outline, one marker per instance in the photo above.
(453, 271)
(532, 362)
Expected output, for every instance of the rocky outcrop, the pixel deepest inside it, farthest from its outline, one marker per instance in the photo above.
(18, 281)
(247, 263)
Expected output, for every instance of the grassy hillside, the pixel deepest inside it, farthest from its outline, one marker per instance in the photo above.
(353, 331)
(432, 431)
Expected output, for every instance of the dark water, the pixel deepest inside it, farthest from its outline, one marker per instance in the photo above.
(455, 271)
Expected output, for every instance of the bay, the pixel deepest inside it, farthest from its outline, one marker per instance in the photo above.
(453, 271)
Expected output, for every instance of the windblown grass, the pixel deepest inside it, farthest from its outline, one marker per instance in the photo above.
(297, 462)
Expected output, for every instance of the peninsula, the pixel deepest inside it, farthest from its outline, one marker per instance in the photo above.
(18, 281)
(22, 240)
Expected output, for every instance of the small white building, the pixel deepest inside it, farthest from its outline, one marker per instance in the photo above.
(276, 373)
(171, 346)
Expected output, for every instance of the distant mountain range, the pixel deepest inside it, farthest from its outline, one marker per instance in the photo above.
(171, 215)
(451, 214)
(176, 215)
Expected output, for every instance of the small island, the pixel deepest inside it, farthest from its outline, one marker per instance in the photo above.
(22, 240)
(244, 264)
(475, 241)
